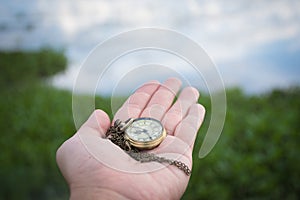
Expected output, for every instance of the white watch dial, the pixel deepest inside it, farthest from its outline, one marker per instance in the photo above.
(144, 130)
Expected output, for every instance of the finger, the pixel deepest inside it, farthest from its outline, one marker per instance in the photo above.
(175, 114)
(162, 99)
(97, 124)
(137, 101)
(187, 129)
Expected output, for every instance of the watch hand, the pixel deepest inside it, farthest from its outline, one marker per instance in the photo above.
(140, 128)
(145, 131)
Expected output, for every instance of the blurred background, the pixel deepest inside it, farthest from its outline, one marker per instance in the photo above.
(254, 44)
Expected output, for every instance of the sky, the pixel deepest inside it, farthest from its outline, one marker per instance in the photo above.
(254, 45)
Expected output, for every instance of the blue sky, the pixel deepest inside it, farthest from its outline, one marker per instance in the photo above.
(255, 44)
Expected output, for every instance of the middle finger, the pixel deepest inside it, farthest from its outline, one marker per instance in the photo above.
(162, 99)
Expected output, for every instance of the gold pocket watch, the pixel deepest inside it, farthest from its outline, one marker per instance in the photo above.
(143, 133)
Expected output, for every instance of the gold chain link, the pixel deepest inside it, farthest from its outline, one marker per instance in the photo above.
(116, 135)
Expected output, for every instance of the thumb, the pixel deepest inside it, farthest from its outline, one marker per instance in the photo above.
(98, 121)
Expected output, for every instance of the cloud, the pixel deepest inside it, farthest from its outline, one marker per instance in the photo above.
(230, 31)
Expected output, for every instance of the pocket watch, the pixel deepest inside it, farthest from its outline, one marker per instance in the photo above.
(143, 133)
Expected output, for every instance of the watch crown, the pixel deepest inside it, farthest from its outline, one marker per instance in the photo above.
(123, 125)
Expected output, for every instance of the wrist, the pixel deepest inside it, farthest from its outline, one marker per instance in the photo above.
(89, 193)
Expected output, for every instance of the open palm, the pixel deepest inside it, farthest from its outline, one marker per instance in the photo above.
(96, 168)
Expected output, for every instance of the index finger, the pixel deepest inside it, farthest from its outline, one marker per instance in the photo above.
(136, 103)
(162, 99)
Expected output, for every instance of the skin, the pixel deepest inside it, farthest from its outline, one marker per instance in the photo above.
(88, 178)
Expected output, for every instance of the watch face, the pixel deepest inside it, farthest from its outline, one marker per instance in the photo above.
(145, 131)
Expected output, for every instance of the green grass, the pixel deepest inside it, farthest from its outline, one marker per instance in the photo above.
(34, 122)
(256, 156)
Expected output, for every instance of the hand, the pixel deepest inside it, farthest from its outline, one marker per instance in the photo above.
(95, 168)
